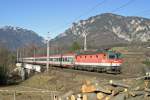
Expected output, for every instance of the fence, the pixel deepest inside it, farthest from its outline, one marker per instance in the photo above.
(52, 95)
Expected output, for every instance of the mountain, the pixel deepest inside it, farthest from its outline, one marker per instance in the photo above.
(15, 37)
(105, 30)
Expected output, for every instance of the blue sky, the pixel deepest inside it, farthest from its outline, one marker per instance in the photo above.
(54, 16)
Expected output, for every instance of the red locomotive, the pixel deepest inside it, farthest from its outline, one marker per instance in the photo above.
(99, 61)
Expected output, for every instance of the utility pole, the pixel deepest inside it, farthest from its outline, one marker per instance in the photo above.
(47, 64)
(85, 40)
(21, 59)
(34, 53)
(17, 56)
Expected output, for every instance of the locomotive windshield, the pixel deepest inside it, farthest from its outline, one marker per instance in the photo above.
(112, 56)
(119, 55)
(115, 55)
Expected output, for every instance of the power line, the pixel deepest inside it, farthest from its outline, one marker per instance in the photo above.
(87, 12)
(122, 6)
(147, 15)
(93, 8)
(143, 11)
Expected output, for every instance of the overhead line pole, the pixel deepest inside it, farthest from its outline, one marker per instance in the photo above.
(47, 64)
(85, 33)
(17, 56)
(34, 54)
(85, 41)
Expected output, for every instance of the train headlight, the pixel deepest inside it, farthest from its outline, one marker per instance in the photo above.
(147, 74)
(111, 81)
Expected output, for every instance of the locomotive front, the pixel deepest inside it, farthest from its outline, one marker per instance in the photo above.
(115, 61)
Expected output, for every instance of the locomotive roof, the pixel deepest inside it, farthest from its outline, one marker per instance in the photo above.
(93, 52)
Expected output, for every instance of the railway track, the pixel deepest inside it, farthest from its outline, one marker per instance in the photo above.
(93, 74)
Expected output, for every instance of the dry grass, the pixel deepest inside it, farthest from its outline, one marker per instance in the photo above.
(63, 81)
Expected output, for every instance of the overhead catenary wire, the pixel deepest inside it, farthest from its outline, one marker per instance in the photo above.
(97, 5)
(123, 6)
(83, 14)
(143, 11)
(92, 9)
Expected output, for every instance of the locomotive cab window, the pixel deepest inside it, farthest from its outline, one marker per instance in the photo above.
(119, 55)
(112, 56)
(70, 59)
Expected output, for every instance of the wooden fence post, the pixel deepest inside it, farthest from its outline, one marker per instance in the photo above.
(14, 95)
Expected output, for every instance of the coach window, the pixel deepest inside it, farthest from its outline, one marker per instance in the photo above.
(66, 59)
(70, 59)
(43, 59)
(55, 59)
(59, 59)
(63, 59)
(39, 59)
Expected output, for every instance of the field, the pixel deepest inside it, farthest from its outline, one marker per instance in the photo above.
(62, 82)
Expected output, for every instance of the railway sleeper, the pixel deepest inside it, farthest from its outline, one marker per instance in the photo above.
(89, 68)
(99, 69)
(113, 70)
(84, 68)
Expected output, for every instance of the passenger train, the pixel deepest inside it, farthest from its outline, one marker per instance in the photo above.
(98, 61)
